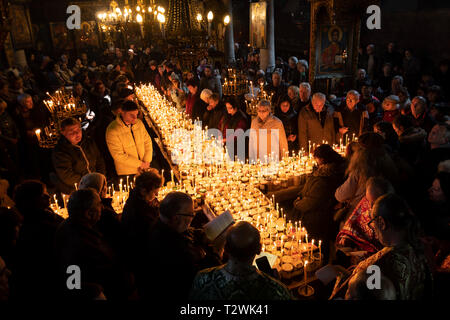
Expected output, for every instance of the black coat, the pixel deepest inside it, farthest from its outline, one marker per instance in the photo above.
(290, 124)
(35, 250)
(76, 244)
(199, 109)
(211, 118)
(138, 218)
(171, 262)
(316, 201)
(72, 162)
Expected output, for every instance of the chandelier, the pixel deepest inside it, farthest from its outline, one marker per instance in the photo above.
(127, 14)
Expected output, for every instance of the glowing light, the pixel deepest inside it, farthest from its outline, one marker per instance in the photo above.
(161, 18)
(139, 18)
(199, 17)
(210, 16)
(226, 20)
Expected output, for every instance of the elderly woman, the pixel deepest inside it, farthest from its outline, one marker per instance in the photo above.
(265, 129)
(109, 223)
(199, 107)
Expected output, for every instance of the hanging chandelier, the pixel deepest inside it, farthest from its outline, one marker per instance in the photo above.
(127, 14)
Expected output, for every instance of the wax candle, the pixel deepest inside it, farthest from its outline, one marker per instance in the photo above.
(38, 135)
(320, 250)
(304, 271)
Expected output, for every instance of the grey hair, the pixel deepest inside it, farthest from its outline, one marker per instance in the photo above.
(305, 85)
(205, 94)
(353, 93)
(264, 103)
(320, 96)
(399, 78)
(294, 59)
(295, 89)
(303, 62)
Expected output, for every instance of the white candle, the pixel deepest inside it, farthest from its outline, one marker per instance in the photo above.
(38, 135)
(304, 271)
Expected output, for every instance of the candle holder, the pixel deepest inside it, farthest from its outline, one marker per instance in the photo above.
(305, 290)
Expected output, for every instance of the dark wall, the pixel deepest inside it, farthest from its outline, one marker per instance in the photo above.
(420, 26)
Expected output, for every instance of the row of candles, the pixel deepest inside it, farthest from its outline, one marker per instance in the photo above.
(231, 185)
(119, 195)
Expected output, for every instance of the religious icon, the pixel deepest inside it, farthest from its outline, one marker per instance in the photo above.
(333, 43)
(258, 15)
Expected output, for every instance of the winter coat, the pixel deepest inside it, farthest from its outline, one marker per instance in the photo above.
(76, 244)
(211, 118)
(316, 201)
(71, 162)
(35, 248)
(128, 145)
(138, 218)
(273, 127)
(311, 129)
(412, 144)
(290, 124)
(212, 83)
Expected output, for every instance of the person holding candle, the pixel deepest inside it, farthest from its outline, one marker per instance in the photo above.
(74, 156)
(28, 118)
(315, 204)
(128, 141)
(353, 116)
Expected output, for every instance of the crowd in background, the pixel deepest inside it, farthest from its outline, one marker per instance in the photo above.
(388, 198)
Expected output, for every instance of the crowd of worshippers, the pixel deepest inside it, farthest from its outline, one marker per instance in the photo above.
(387, 202)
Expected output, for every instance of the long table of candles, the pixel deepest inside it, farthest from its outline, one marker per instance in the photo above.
(235, 186)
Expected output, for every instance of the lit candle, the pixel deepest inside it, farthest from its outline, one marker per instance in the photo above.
(171, 175)
(304, 271)
(76, 187)
(38, 135)
(320, 250)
